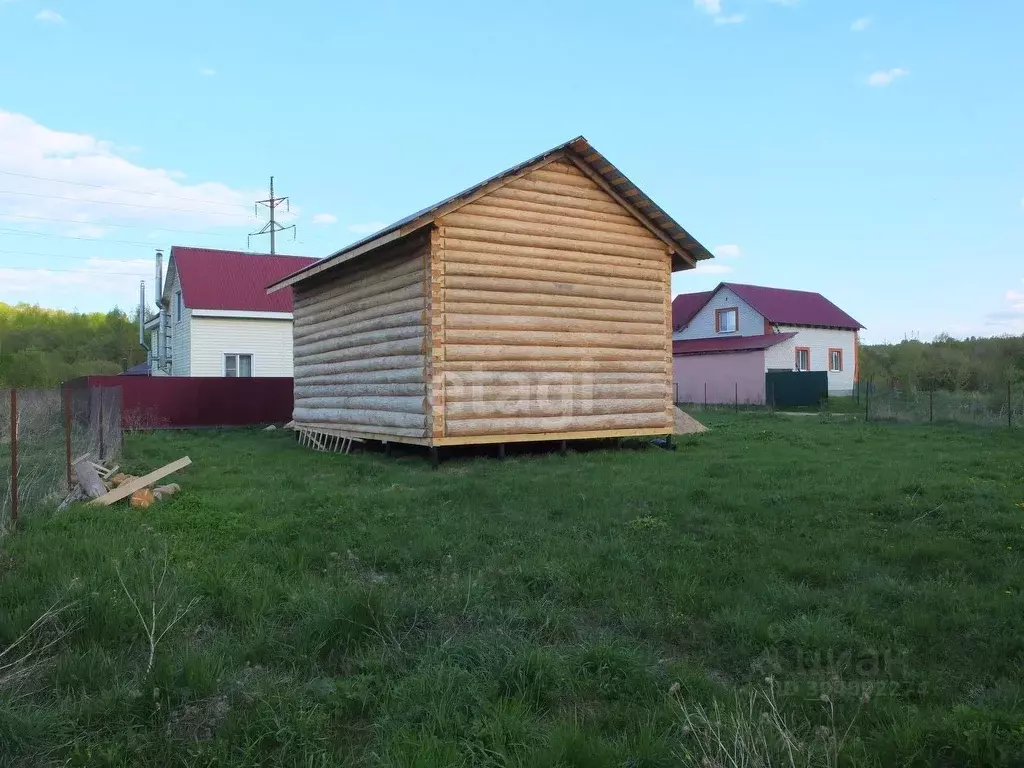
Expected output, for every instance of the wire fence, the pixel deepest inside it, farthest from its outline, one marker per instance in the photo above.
(1000, 407)
(42, 433)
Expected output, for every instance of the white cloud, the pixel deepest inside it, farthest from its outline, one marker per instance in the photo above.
(49, 17)
(367, 228)
(207, 71)
(325, 218)
(156, 197)
(861, 24)
(711, 268)
(95, 282)
(714, 8)
(89, 231)
(884, 77)
(728, 251)
(1011, 319)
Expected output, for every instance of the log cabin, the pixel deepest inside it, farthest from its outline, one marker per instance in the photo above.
(534, 306)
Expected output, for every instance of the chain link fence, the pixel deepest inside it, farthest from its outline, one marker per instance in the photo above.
(42, 432)
(997, 408)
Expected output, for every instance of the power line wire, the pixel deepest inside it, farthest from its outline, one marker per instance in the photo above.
(104, 241)
(57, 255)
(120, 226)
(119, 189)
(73, 271)
(127, 205)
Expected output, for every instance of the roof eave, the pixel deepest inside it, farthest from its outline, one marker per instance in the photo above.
(686, 251)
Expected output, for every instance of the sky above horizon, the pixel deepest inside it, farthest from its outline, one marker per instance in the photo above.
(867, 150)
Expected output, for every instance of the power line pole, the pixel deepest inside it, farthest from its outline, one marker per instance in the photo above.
(272, 227)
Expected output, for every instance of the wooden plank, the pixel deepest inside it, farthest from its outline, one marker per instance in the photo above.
(478, 268)
(655, 229)
(579, 343)
(127, 489)
(519, 321)
(580, 266)
(599, 434)
(545, 312)
(507, 353)
(557, 243)
(539, 291)
(585, 238)
(517, 251)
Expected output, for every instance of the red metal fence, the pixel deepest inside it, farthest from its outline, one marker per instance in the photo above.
(155, 402)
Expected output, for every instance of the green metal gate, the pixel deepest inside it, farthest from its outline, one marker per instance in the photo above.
(793, 388)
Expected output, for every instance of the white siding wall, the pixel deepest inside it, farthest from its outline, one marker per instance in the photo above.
(819, 341)
(268, 341)
(180, 335)
(751, 322)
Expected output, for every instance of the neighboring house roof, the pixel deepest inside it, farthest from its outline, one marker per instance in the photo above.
(142, 369)
(580, 152)
(686, 305)
(232, 280)
(780, 306)
(730, 344)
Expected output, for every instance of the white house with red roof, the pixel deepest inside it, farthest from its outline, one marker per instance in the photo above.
(727, 339)
(219, 319)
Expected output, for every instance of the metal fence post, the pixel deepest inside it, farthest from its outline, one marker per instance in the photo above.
(736, 384)
(102, 450)
(705, 394)
(867, 402)
(67, 435)
(14, 455)
(1009, 403)
(931, 405)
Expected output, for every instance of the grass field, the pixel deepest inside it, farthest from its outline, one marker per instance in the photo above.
(806, 591)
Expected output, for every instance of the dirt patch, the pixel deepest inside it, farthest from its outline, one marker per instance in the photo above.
(687, 425)
(198, 721)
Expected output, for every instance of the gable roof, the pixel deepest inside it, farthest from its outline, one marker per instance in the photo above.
(777, 305)
(730, 344)
(231, 280)
(578, 151)
(686, 305)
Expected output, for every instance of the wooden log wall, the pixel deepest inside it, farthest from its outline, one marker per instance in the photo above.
(550, 315)
(360, 338)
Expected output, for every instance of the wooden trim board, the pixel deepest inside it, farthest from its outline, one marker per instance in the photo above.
(546, 437)
(127, 489)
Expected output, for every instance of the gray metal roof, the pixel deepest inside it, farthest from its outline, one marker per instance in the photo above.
(579, 148)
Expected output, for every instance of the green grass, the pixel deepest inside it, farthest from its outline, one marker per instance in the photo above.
(542, 611)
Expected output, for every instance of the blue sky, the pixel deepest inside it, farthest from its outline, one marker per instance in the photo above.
(868, 150)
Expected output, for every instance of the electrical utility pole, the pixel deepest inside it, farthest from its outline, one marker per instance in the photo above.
(272, 227)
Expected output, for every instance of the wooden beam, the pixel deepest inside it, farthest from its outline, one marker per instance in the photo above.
(640, 216)
(127, 489)
(547, 437)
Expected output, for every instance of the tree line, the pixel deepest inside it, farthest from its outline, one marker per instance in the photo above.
(45, 347)
(958, 365)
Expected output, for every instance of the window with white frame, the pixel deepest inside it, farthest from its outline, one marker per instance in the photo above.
(803, 359)
(835, 359)
(178, 307)
(237, 366)
(727, 320)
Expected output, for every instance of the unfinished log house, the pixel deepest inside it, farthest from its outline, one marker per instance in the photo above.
(535, 305)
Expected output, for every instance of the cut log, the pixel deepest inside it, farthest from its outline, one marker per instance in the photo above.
(89, 479)
(127, 489)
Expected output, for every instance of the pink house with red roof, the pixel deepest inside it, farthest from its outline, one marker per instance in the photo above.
(727, 339)
(219, 318)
